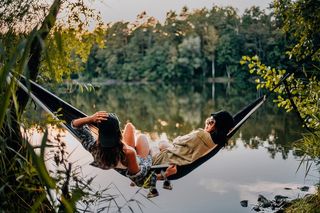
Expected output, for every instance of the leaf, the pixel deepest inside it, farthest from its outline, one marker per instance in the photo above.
(81, 88)
(40, 165)
(58, 40)
(5, 101)
(68, 207)
(37, 204)
(300, 164)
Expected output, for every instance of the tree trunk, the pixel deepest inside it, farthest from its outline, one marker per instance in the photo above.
(228, 72)
(213, 91)
(213, 69)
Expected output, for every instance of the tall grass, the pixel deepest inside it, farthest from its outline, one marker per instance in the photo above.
(21, 186)
(310, 146)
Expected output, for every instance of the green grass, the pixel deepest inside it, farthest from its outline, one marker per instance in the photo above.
(310, 146)
(308, 204)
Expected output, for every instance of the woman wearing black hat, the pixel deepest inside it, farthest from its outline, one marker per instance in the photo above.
(113, 149)
(188, 148)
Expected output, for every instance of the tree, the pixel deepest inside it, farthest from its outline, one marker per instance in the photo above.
(300, 22)
(113, 55)
(69, 49)
(189, 56)
(256, 28)
(226, 51)
(301, 90)
(210, 40)
(175, 27)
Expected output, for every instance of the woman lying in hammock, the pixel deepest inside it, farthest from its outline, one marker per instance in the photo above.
(114, 150)
(188, 148)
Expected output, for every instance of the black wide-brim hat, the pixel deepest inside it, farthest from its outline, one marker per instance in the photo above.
(109, 131)
(224, 121)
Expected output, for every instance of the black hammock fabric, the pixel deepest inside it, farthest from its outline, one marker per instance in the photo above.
(66, 112)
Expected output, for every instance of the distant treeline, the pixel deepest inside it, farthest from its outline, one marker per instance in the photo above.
(194, 44)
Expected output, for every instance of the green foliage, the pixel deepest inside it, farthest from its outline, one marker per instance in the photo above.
(309, 147)
(300, 21)
(228, 51)
(20, 181)
(20, 184)
(305, 94)
(187, 46)
(189, 56)
(67, 51)
(257, 28)
(30, 14)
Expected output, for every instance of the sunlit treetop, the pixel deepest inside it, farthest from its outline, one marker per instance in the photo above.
(24, 15)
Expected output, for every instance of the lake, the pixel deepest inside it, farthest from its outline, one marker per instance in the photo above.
(260, 158)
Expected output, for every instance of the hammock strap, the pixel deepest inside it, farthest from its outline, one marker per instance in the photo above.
(245, 113)
(259, 101)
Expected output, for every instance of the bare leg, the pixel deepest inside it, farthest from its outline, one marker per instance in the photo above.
(142, 146)
(128, 135)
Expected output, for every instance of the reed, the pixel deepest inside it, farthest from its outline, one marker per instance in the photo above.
(21, 188)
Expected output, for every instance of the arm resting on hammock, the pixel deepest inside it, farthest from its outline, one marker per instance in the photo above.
(83, 131)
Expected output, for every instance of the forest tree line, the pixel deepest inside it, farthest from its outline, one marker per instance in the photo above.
(198, 44)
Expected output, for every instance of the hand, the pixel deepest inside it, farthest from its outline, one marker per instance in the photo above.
(99, 116)
(171, 170)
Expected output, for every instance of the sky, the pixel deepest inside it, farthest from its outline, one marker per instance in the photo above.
(127, 10)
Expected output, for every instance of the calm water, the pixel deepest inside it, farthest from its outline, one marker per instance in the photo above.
(259, 159)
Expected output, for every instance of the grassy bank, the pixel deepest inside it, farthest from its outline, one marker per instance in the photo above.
(310, 204)
(311, 148)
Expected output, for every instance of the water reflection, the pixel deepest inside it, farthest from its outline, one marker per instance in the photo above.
(236, 174)
(258, 160)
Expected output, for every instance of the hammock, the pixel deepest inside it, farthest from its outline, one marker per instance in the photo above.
(64, 111)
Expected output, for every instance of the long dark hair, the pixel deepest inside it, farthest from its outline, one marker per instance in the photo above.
(110, 156)
(110, 150)
(219, 137)
(223, 124)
